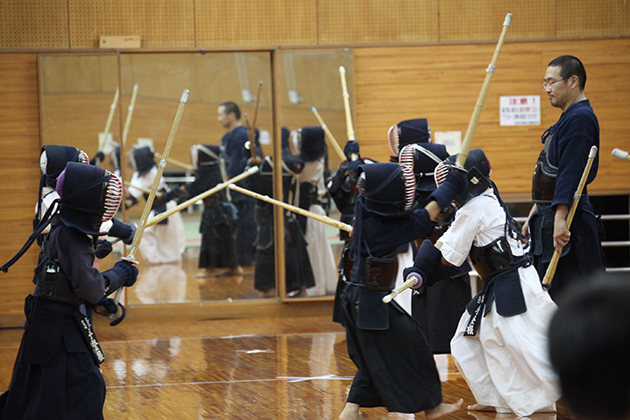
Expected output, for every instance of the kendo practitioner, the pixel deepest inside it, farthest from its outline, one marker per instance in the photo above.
(56, 374)
(342, 187)
(53, 160)
(437, 309)
(232, 150)
(557, 173)
(218, 221)
(501, 340)
(395, 363)
(164, 242)
(299, 274)
(404, 133)
(310, 142)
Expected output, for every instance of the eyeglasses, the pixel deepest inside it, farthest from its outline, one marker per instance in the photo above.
(548, 85)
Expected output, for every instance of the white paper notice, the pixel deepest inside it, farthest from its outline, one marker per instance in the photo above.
(520, 110)
(451, 139)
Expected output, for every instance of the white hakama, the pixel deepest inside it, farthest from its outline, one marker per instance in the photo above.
(318, 246)
(506, 364)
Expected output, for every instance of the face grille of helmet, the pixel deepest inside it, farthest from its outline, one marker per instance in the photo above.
(113, 197)
(406, 157)
(393, 138)
(410, 186)
(441, 172)
(83, 157)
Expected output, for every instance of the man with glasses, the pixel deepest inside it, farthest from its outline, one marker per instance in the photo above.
(566, 146)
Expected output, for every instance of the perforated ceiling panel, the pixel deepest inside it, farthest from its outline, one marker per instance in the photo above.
(593, 18)
(377, 21)
(159, 23)
(483, 20)
(33, 24)
(256, 22)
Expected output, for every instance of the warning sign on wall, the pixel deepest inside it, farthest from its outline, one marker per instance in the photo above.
(520, 110)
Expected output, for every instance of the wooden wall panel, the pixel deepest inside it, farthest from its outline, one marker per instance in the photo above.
(255, 23)
(584, 19)
(159, 23)
(19, 170)
(358, 22)
(34, 24)
(482, 20)
(442, 83)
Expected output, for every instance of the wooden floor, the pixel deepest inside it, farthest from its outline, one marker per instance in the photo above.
(276, 368)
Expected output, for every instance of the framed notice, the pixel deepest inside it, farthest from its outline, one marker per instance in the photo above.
(520, 110)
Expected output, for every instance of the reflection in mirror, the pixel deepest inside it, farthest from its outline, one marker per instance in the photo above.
(79, 91)
(205, 251)
(312, 109)
(78, 100)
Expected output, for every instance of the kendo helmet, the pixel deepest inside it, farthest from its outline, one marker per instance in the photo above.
(203, 155)
(423, 158)
(142, 159)
(53, 160)
(479, 171)
(408, 132)
(89, 195)
(387, 189)
(352, 150)
(310, 143)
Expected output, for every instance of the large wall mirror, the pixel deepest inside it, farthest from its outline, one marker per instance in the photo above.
(311, 95)
(212, 79)
(134, 97)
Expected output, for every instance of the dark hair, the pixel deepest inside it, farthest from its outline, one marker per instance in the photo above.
(589, 338)
(232, 107)
(570, 66)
